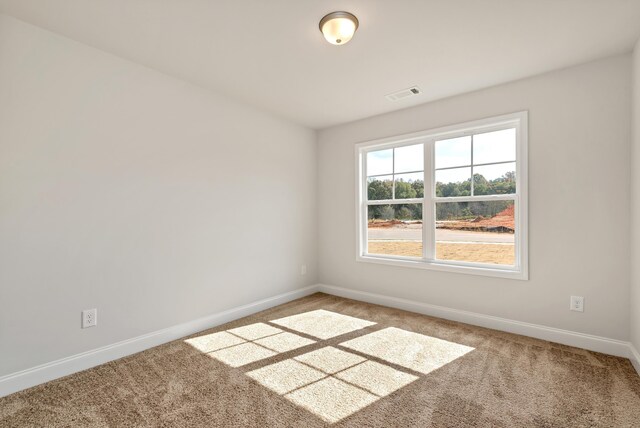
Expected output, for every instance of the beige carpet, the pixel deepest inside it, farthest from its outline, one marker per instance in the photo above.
(327, 361)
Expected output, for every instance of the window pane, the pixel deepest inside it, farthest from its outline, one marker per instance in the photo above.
(453, 152)
(480, 232)
(498, 146)
(379, 188)
(395, 230)
(380, 162)
(409, 158)
(497, 179)
(410, 185)
(453, 182)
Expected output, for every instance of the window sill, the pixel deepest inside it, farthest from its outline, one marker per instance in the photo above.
(518, 274)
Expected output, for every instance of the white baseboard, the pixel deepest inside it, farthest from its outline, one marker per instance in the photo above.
(46, 372)
(580, 340)
(634, 356)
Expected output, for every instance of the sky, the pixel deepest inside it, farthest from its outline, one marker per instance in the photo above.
(497, 146)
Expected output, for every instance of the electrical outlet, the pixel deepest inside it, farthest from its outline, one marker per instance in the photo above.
(303, 270)
(577, 303)
(89, 318)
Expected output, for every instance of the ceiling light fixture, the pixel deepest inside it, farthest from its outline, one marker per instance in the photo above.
(338, 27)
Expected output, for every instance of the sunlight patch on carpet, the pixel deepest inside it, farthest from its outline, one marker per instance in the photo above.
(283, 342)
(285, 376)
(241, 355)
(331, 383)
(255, 331)
(376, 378)
(323, 324)
(331, 399)
(414, 351)
(244, 345)
(214, 341)
(330, 360)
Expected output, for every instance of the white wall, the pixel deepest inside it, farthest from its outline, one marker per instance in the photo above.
(579, 144)
(129, 191)
(157, 202)
(635, 205)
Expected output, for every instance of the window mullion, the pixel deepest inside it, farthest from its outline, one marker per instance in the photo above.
(428, 207)
(393, 173)
(395, 201)
(482, 198)
(364, 207)
(472, 178)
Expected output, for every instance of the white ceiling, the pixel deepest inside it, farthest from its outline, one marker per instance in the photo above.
(270, 53)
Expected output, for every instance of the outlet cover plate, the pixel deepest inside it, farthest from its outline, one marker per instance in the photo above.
(89, 318)
(577, 303)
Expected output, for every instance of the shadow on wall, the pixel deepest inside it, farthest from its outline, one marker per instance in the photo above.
(329, 382)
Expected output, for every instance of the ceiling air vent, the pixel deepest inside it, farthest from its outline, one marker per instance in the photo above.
(405, 93)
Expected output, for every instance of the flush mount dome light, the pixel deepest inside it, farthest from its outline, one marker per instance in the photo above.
(338, 27)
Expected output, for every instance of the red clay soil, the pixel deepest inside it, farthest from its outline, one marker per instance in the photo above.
(504, 221)
(391, 223)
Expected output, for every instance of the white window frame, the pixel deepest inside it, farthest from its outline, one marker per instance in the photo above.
(521, 268)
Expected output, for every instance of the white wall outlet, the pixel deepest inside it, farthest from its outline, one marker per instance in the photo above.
(303, 270)
(89, 318)
(577, 303)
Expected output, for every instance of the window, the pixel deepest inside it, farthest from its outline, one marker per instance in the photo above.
(448, 199)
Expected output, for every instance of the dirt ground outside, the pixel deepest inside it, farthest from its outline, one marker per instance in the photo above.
(503, 254)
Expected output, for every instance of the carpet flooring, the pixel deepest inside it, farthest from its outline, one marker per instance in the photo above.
(327, 361)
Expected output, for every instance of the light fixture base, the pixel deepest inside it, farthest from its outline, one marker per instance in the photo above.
(338, 27)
